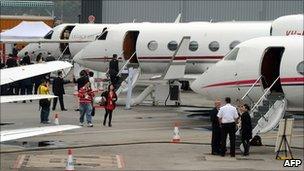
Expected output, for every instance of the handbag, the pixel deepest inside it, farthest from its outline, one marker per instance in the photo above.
(102, 101)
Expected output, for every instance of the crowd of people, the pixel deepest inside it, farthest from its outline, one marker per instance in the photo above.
(225, 121)
(41, 85)
(87, 90)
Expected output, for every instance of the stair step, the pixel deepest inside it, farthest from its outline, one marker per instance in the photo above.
(263, 108)
(266, 103)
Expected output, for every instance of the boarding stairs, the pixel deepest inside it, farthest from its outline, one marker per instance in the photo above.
(123, 75)
(266, 113)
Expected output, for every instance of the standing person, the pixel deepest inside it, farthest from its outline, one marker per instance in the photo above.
(15, 50)
(26, 59)
(49, 57)
(113, 70)
(12, 62)
(39, 58)
(246, 128)
(58, 90)
(26, 85)
(92, 80)
(227, 118)
(44, 103)
(216, 130)
(85, 95)
(110, 105)
(83, 80)
(94, 89)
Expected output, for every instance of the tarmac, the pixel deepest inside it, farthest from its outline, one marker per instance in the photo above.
(139, 139)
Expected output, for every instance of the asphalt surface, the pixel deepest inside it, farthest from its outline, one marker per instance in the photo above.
(140, 139)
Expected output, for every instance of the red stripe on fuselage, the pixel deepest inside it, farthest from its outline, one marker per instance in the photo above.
(165, 57)
(292, 80)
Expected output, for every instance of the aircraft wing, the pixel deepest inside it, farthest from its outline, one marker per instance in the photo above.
(6, 99)
(9, 75)
(8, 135)
(42, 41)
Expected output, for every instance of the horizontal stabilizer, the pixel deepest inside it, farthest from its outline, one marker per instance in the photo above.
(6, 99)
(30, 132)
(177, 65)
(9, 75)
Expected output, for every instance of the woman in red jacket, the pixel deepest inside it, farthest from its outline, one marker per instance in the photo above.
(110, 98)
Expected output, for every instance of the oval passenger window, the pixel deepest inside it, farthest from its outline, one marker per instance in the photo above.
(214, 46)
(172, 45)
(300, 68)
(152, 45)
(193, 46)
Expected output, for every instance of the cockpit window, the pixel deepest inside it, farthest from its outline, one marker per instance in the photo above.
(300, 68)
(103, 34)
(49, 35)
(232, 55)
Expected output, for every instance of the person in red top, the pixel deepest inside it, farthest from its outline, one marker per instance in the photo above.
(85, 95)
(110, 97)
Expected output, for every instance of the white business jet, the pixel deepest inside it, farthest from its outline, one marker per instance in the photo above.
(56, 43)
(151, 45)
(266, 72)
(10, 75)
(259, 62)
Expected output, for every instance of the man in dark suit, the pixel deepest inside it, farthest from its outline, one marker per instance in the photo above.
(26, 59)
(216, 130)
(246, 128)
(113, 70)
(58, 90)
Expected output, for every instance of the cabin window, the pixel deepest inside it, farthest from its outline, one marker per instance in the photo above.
(193, 46)
(232, 55)
(49, 35)
(214, 46)
(172, 45)
(300, 68)
(233, 44)
(152, 45)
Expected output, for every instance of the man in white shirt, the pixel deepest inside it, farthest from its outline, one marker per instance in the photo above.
(228, 115)
(92, 80)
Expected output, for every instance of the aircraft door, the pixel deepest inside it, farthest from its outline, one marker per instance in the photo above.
(65, 35)
(129, 46)
(270, 68)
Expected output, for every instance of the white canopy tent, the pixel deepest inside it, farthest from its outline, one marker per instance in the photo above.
(26, 30)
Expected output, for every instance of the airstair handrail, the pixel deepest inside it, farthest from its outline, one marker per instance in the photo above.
(61, 55)
(265, 93)
(128, 61)
(246, 94)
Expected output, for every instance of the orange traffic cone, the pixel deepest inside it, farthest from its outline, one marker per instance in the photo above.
(56, 120)
(176, 136)
(70, 162)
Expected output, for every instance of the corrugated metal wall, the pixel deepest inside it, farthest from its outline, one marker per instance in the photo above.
(115, 11)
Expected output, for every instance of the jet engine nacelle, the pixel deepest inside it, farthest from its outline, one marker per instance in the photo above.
(288, 25)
